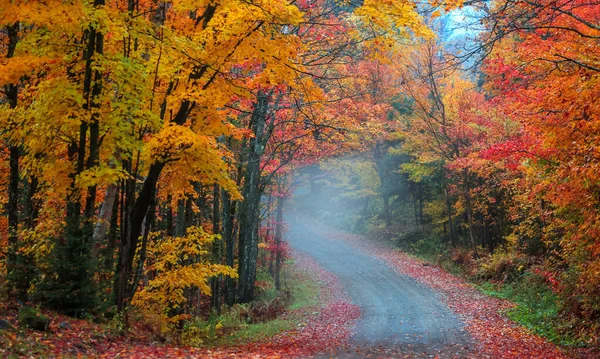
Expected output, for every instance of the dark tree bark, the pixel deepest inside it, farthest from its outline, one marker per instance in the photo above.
(130, 237)
(250, 207)
(12, 92)
(413, 194)
(381, 172)
(106, 213)
(421, 200)
(169, 219)
(31, 206)
(448, 200)
(228, 224)
(215, 300)
(180, 219)
(13, 195)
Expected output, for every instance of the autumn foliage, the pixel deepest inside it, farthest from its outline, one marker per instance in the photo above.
(141, 139)
(148, 147)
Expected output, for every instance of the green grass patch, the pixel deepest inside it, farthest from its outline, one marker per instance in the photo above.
(254, 332)
(305, 292)
(236, 327)
(537, 308)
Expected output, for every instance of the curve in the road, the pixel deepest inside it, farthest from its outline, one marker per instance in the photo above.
(397, 311)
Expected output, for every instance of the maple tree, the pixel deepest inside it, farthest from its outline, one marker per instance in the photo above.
(549, 82)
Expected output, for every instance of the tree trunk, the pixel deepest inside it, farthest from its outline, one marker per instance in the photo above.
(215, 300)
(449, 212)
(92, 91)
(413, 193)
(467, 194)
(112, 234)
(421, 218)
(386, 210)
(180, 219)
(12, 95)
(31, 207)
(250, 208)
(131, 235)
(13, 196)
(106, 213)
(169, 219)
(278, 240)
(228, 222)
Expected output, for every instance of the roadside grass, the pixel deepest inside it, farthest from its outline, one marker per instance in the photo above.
(237, 327)
(537, 307)
(249, 332)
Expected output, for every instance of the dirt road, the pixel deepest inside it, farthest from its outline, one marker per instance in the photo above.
(399, 315)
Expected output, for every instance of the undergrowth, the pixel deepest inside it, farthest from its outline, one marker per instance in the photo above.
(537, 308)
(503, 275)
(273, 312)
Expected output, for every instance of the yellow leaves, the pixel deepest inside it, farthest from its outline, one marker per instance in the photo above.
(174, 265)
(393, 15)
(100, 175)
(191, 157)
(172, 141)
(417, 171)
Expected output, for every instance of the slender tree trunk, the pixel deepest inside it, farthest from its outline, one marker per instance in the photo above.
(217, 251)
(421, 199)
(386, 210)
(112, 233)
(13, 196)
(467, 194)
(92, 89)
(31, 206)
(169, 219)
(228, 223)
(449, 213)
(278, 241)
(131, 235)
(106, 213)
(250, 208)
(180, 219)
(12, 95)
(413, 193)
(381, 173)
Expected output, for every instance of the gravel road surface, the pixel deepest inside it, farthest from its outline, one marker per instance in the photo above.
(400, 317)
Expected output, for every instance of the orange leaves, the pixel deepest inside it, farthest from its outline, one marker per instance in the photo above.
(13, 69)
(49, 13)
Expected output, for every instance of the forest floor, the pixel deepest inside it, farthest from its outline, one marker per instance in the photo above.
(490, 334)
(370, 301)
(318, 324)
